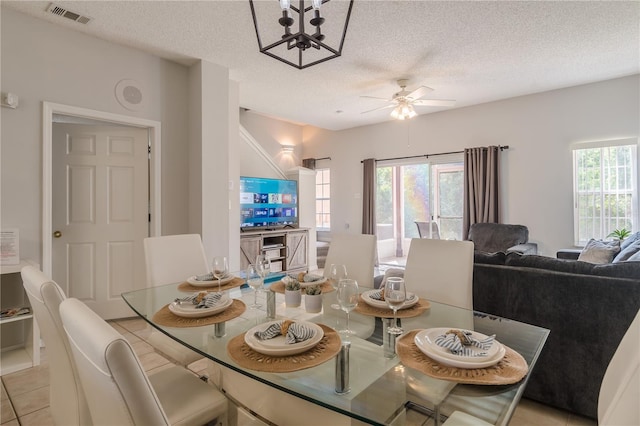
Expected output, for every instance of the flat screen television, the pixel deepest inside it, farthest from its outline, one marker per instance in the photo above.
(268, 203)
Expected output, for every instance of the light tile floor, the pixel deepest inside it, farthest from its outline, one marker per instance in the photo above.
(25, 394)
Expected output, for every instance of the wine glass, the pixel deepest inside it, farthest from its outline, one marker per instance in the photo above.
(255, 281)
(348, 298)
(336, 273)
(220, 269)
(263, 263)
(395, 293)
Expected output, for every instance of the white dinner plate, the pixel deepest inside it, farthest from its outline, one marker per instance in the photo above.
(425, 341)
(208, 283)
(412, 299)
(188, 309)
(278, 346)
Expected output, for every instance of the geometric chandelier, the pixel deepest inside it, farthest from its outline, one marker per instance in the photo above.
(285, 27)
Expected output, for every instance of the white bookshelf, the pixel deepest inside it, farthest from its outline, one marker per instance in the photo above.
(19, 336)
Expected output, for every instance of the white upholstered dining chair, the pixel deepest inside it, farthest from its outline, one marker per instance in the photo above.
(619, 399)
(117, 389)
(171, 259)
(66, 397)
(441, 270)
(357, 252)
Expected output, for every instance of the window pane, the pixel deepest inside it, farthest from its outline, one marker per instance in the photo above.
(415, 203)
(605, 191)
(326, 191)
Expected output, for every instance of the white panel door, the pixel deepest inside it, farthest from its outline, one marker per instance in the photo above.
(100, 213)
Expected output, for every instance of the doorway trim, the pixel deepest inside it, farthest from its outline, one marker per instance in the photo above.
(48, 111)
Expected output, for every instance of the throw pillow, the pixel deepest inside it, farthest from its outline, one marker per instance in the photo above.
(598, 251)
(627, 252)
(630, 240)
(634, 257)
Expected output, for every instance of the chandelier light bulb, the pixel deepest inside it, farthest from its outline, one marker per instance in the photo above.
(285, 4)
(316, 4)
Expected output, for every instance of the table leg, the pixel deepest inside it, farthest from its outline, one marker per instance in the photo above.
(388, 340)
(342, 370)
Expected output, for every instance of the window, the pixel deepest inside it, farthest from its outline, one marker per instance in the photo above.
(605, 189)
(323, 199)
(409, 192)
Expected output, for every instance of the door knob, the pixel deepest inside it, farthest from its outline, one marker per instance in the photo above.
(57, 234)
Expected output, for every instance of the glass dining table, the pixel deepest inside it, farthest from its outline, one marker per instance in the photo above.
(367, 381)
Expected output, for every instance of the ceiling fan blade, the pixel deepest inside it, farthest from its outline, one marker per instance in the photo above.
(376, 98)
(434, 102)
(419, 92)
(377, 109)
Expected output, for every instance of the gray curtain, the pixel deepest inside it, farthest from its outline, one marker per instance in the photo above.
(309, 163)
(481, 187)
(369, 197)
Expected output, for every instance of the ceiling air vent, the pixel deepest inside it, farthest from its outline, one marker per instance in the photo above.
(65, 13)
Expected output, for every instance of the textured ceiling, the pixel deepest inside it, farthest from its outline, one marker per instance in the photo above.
(473, 52)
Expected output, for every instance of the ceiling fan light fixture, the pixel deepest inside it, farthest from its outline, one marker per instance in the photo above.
(294, 46)
(403, 111)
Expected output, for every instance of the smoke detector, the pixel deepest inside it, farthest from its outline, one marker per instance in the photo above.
(66, 13)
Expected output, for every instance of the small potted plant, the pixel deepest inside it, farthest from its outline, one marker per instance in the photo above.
(292, 294)
(619, 234)
(313, 299)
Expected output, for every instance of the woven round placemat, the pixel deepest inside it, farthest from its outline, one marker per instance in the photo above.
(278, 287)
(246, 357)
(167, 318)
(416, 310)
(511, 369)
(236, 282)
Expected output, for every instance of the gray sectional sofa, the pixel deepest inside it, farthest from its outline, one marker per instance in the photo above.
(587, 307)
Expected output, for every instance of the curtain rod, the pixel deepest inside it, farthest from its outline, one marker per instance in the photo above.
(502, 148)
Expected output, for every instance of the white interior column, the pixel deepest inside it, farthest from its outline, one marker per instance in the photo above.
(210, 118)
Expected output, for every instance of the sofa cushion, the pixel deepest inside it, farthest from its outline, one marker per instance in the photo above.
(495, 237)
(549, 263)
(627, 252)
(598, 251)
(497, 258)
(628, 269)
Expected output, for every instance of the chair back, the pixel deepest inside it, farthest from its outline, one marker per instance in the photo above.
(66, 397)
(116, 387)
(357, 252)
(428, 230)
(174, 258)
(441, 270)
(619, 399)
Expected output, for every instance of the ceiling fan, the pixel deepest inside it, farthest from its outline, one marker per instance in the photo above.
(404, 101)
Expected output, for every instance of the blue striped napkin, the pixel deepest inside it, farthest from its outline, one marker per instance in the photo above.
(295, 334)
(452, 342)
(208, 301)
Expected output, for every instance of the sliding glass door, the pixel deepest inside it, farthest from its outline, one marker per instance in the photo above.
(427, 191)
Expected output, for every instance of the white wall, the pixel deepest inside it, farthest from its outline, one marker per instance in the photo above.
(537, 169)
(272, 134)
(45, 62)
(197, 106)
